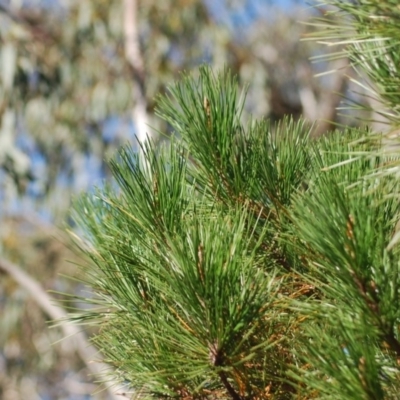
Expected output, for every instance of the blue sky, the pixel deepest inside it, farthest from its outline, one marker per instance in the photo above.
(248, 10)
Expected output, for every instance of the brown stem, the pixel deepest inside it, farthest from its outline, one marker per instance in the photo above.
(229, 387)
(217, 360)
(393, 343)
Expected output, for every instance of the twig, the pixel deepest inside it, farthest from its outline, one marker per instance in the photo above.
(228, 386)
(76, 339)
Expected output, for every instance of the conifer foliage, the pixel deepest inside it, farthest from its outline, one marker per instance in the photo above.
(248, 262)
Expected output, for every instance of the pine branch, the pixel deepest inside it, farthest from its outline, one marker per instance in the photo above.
(204, 265)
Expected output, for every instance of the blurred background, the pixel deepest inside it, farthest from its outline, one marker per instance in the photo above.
(79, 78)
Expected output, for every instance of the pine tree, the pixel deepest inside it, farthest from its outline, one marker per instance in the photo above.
(252, 262)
